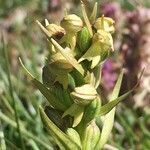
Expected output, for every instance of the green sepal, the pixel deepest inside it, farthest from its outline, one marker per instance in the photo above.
(63, 140)
(97, 74)
(75, 111)
(71, 83)
(105, 23)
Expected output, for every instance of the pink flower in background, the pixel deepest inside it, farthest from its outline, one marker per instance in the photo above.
(109, 74)
(134, 50)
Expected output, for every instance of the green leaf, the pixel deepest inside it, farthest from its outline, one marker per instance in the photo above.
(75, 111)
(48, 34)
(109, 118)
(45, 91)
(27, 134)
(62, 94)
(49, 95)
(62, 139)
(109, 106)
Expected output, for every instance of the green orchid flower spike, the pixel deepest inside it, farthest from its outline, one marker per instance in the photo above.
(71, 76)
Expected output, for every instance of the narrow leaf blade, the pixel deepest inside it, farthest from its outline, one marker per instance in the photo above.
(45, 91)
(65, 141)
(109, 106)
(109, 118)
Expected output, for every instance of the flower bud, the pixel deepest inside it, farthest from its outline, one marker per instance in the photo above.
(105, 23)
(84, 95)
(91, 136)
(61, 62)
(74, 135)
(84, 39)
(100, 49)
(72, 23)
(103, 37)
(55, 30)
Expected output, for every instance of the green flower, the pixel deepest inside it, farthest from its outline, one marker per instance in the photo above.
(100, 49)
(72, 23)
(105, 23)
(84, 95)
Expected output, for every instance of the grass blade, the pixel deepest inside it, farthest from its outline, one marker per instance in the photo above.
(2, 139)
(24, 131)
(11, 92)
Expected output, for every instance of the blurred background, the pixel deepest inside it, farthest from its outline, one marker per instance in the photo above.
(21, 37)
